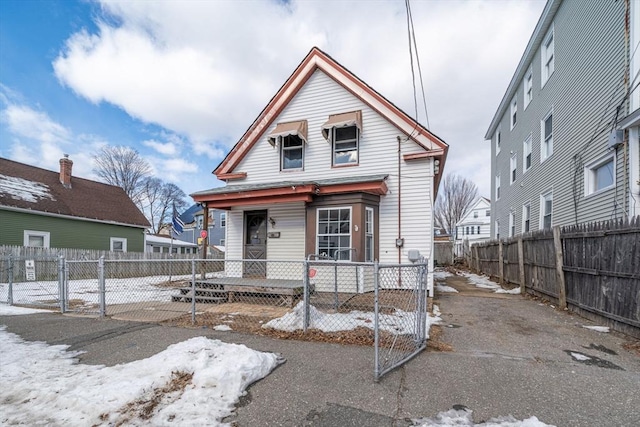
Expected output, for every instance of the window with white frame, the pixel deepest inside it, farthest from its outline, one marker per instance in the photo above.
(512, 224)
(547, 57)
(478, 229)
(487, 212)
(514, 112)
(546, 210)
(36, 239)
(498, 187)
(498, 140)
(526, 154)
(528, 87)
(368, 235)
(513, 168)
(345, 145)
(466, 231)
(475, 214)
(526, 217)
(546, 138)
(291, 152)
(497, 226)
(334, 232)
(600, 175)
(222, 242)
(223, 219)
(118, 244)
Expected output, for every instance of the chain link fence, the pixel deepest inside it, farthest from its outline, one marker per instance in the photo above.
(318, 299)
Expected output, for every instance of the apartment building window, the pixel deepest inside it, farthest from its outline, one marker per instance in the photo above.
(526, 217)
(546, 145)
(222, 242)
(466, 231)
(487, 212)
(37, 239)
(528, 88)
(223, 219)
(514, 112)
(512, 224)
(514, 169)
(497, 225)
(548, 57)
(599, 175)
(526, 154)
(546, 210)
(498, 140)
(478, 229)
(473, 230)
(498, 187)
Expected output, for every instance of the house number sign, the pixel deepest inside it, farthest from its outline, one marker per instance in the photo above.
(30, 270)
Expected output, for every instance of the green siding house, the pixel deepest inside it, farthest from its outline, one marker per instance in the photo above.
(48, 209)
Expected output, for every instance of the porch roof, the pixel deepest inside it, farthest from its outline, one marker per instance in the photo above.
(289, 191)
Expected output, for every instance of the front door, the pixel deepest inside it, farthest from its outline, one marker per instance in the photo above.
(255, 244)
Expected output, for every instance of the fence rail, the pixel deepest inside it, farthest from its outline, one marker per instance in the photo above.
(593, 269)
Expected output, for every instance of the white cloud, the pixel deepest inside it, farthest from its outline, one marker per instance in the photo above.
(206, 69)
(166, 148)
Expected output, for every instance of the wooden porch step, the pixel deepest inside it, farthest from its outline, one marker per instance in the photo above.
(199, 299)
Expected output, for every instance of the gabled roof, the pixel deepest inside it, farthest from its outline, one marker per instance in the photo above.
(24, 187)
(480, 201)
(317, 59)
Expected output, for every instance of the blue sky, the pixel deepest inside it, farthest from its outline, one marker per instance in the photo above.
(181, 81)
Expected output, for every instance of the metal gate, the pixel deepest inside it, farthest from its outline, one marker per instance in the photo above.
(400, 314)
(32, 281)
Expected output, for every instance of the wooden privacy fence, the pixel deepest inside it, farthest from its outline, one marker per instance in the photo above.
(593, 269)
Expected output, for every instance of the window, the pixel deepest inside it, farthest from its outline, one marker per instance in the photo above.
(514, 169)
(291, 152)
(473, 230)
(546, 210)
(37, 239)
(487, 212)
(478, 229)
(466, 231)
(334, 232)
(548, 57)
(599, 175)
(118, 244)
(498, 187)
(526, 217)
(528, 87)
(546, 146)
(498, 141)
(222, 242)
(345, 145)
(514, 112)
(497, 225)
(475, 214)
(512, 224)
(526, 154)
(156, 249)
(223, 219)
(368, 235)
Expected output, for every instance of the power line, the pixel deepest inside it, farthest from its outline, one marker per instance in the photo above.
(413, 47)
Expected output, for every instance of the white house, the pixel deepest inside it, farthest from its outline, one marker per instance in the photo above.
(329, 167)
(475, 225)
(161, 244)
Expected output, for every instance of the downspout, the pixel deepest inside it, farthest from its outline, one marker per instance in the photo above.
(399, 201)
(627, 65)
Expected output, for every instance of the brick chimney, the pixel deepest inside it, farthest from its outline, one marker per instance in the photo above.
(65, 171)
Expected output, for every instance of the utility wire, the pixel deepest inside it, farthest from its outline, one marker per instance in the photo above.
(413, 46)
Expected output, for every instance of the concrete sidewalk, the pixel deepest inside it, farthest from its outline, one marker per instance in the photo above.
(510, 355)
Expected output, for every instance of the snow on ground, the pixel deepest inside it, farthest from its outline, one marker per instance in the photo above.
(10, 310)
(463, 418)
(514, 291)
(486, 283)
(604, 329)
(45, 385)
(441, 274)
(579, 356)
(445, 288)
(400, 322)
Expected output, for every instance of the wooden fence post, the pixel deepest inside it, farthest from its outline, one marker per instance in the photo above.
(562, 288)
(523, 286)
(501, 262)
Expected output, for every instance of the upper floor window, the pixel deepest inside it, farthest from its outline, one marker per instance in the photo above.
(546, 210)
(343, 131)
(118, 244)
(512, 224)
(291, 152)
(497, 228)
(526, 154)
(548, 57)
(487, 212)
(526, 217)
(475, 214)
(528, 87)
(498, 187)
(37, 239)
(223, 219)
(599, 175)
(514, 112)
(478, 229)
(546, 139)
(514, 169)
(498, 140)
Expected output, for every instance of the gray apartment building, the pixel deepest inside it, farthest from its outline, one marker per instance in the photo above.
(564, 139)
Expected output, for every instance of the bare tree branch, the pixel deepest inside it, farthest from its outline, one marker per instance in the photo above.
(158, 200)
(124, 167)
(454, 199)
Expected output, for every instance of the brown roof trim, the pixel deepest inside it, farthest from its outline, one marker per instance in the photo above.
(237, 175)
(379, 188)
(314, 60)
(423, 155)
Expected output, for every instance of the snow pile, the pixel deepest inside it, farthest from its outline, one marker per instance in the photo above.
(445, 288)
(441, 274)
(12, 310)
(45, 385)
(514, 291)
(463, 418)
(400, 322)
(604, 329)
(486, 283)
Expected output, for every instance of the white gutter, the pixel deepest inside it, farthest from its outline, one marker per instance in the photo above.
(76, 218)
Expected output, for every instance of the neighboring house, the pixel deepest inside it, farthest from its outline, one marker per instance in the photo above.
(48, 209)
(329, 167)
(557, 157)
(165, 245)
(474, 227)
(193, 219)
